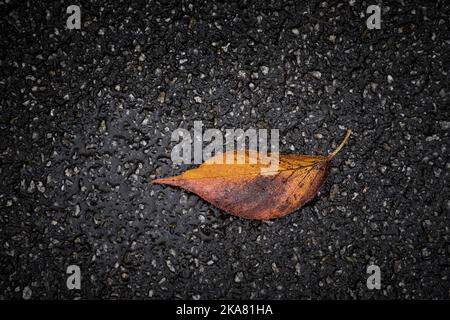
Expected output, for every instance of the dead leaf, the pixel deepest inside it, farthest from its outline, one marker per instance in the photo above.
(243, 191)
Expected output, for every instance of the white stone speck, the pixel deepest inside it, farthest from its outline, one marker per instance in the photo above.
(264, 70)
(390, 79)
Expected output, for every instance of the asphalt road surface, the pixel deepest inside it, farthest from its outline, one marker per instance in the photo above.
(86, 118)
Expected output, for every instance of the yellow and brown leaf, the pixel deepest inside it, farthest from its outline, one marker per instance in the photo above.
(242, 190)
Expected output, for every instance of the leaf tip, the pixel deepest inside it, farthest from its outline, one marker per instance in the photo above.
(160, 181)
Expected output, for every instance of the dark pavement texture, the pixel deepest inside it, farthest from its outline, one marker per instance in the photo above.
(86, 117)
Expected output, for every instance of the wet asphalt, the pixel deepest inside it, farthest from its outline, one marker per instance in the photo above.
(86, 118)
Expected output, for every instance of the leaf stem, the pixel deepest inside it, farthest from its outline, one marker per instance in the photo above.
(335, 152)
